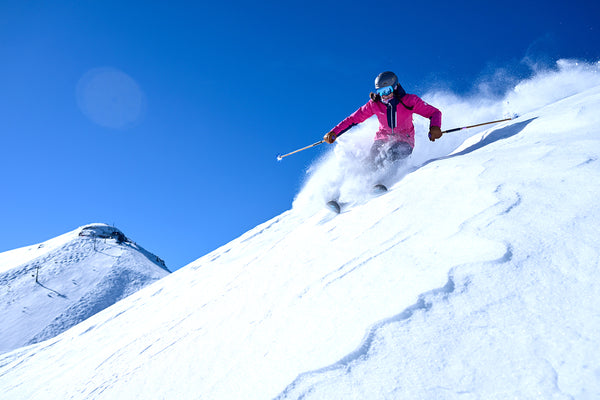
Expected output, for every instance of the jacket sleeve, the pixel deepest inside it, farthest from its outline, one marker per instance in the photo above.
(358, 116)
(426, 110)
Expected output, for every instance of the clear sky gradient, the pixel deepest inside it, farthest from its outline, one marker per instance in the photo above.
(165, 118)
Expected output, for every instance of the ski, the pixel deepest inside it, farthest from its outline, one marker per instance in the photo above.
(379, 189)
(336, 207)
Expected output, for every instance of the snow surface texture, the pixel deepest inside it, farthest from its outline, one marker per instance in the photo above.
(50, 287)
(474, 277)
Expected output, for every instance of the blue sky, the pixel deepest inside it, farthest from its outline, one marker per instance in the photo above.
(165, 118)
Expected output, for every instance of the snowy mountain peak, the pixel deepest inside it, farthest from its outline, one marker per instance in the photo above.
(54, 285)
(107, 232)
(102, 231)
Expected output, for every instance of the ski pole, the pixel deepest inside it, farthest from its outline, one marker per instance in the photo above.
(473, 126)
(280, 156)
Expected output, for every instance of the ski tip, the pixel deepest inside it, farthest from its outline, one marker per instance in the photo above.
(279, 157)
(334, 206)
(379, 188)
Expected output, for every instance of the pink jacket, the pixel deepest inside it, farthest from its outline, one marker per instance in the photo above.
(395, 118)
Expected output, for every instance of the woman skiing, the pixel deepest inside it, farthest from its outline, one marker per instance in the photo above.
(394, 108)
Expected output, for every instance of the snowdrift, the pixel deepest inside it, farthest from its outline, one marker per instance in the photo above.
(475, 276)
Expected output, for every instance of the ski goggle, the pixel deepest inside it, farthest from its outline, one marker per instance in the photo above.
(385, 91)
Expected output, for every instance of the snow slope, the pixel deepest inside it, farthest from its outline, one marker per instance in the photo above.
(49, 287)
(475, 276)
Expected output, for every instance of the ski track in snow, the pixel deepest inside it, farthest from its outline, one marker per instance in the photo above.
(304, 383)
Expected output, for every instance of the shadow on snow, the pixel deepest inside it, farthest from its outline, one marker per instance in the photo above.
(494, 136)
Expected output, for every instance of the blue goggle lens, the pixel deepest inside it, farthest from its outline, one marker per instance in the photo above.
(385, 91)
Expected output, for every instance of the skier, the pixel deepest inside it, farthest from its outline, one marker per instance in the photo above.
(394, 108)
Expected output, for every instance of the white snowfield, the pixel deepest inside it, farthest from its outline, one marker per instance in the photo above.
(49, 287)
(475, 277)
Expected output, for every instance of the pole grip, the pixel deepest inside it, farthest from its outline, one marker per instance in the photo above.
(452, 130)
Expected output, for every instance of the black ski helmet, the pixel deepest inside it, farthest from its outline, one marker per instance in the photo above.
(387, 78)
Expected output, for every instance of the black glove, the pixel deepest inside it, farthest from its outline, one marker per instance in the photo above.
(330, 137)
(435, 132)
